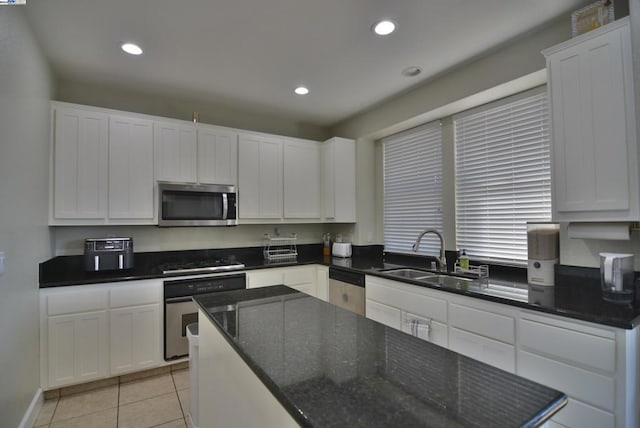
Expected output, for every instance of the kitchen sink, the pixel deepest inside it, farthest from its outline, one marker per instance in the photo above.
(430, 278)
(408, 273)
(450, 281)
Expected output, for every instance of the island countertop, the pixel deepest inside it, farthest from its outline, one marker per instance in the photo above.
(332, 368)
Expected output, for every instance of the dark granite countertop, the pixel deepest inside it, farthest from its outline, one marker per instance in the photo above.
(576, 294)
(332, 368)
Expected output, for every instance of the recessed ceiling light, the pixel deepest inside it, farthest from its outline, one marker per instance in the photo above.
(384, 27)
(412, 71)
(301, 90)
(132, 48)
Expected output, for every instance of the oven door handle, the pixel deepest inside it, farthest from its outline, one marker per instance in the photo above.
(177, 299)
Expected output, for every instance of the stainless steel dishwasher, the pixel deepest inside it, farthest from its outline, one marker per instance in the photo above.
(346, 290)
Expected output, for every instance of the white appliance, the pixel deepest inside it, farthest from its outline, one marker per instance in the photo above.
(543, 250)
(341, 249)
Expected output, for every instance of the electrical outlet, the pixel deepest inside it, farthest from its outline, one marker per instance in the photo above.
(1, 263)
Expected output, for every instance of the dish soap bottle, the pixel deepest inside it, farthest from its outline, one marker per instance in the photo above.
(464, 260)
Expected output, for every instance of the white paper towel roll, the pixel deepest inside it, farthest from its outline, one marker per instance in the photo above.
(610, 231)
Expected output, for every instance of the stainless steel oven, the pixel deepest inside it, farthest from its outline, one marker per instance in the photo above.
(180, 310)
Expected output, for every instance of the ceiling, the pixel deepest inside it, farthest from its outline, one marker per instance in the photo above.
(251, 54)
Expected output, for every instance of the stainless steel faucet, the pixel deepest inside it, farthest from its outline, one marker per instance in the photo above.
(441, 262)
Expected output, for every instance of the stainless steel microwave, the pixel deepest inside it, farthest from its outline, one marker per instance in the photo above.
(196, 205)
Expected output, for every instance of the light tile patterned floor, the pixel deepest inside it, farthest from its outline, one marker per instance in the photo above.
(157, 401)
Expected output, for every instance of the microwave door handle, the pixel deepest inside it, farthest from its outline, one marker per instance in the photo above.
(225, 206)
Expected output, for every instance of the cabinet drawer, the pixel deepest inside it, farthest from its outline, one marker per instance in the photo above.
(495, 326)
(76, 301)
(584, 385)
(383, 314)
(570, 345)
(579, 414)
(299, 276)
(409, 298)
(138, 294)
(480, 348)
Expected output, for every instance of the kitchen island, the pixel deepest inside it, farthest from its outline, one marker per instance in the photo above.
(277, 357)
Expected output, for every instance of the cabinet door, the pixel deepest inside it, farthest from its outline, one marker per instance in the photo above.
(78, 347)
(384, 314)
(483, 349)
(259, 177)
(131, 170)
(175, 152)
(217, 156)
(301, 179)
(79, 165)
(594, 145)
(339, 180)
(135, 338)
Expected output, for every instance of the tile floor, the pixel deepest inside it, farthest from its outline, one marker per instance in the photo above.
(155, 401)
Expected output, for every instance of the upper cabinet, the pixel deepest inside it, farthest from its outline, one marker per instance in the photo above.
(79, 166)
(175, 150)
(339, 180)
(131, 183)
(301, 179)
(105, 165)
(595, 150)
(259, 177)
(217, 155)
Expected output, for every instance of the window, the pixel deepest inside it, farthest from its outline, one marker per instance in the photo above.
(503, 176)
(412, 188)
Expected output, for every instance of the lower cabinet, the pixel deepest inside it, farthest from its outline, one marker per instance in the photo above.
(91, 332)
(312, 279)
(595, 366)
(78, 347)
(135, 326)
(414, 310)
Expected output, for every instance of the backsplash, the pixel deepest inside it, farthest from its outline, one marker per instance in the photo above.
(69, 240)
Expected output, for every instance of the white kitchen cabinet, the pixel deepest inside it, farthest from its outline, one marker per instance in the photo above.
(136, 332)
(593, 114)
(339, 180)
(301, 179)
(217, 155)
(91, 332)
(175, 151)
(131, 182)
(302, 278)
(414, 310)
(74, 336)
(596, 366)
(322, 283)
(79, 166)
(259, 177)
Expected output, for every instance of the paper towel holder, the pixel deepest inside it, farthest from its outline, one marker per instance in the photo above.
(617, 231)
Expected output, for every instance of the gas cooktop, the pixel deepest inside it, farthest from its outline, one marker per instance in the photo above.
(200, 266)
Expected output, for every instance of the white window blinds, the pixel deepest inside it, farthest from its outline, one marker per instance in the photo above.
(413, 188)
(503, 176)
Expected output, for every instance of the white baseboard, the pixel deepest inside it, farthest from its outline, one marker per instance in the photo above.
(30, 416)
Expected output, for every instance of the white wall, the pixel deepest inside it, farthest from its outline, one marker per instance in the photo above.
(25, 90)
(70, 240)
